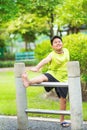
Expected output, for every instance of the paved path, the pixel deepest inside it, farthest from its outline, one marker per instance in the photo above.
(10, 68)
(10, 123)
(6, 69)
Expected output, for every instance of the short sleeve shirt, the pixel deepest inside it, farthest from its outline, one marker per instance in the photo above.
(58, 65)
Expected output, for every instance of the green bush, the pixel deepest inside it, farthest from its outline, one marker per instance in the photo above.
(7, 56)
(5, 64)
(41, 51)
(29, 63)
(2, 43)
(10, 63)
(77, 46)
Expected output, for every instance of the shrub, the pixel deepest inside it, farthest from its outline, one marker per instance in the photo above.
(41, 51)
(11, 63)
(7, 56)
(6, 64)
(2, 43)
(77, 46)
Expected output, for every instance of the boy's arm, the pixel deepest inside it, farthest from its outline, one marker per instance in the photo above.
(41, 63)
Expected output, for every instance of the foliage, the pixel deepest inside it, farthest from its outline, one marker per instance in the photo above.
(10, 63)
(77, 45)
(2, 43)
(74, 14)
(31, 18)
(84, 5)
(42, 49)
(71, 13)
(40, 7)
(40, 16)
(5, 64)
(34, 16)
(8, 10)
(28, 25)
(8, 56)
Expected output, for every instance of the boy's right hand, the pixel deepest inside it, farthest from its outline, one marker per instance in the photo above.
(34, 69)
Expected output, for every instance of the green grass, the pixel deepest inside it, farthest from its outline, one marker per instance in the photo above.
(35, 97)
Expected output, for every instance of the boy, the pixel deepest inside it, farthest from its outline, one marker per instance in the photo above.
(57, 72)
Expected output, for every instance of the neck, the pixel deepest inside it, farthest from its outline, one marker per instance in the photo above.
(59, 51)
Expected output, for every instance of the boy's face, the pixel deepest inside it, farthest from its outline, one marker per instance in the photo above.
(57, 44)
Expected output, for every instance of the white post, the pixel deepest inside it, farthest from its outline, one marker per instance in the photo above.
(22, 118)
(75, 95)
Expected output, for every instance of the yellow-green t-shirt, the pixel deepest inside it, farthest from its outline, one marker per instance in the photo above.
(58, 65)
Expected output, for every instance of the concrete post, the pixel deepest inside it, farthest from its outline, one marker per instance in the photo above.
(22, 118)
(75, 95)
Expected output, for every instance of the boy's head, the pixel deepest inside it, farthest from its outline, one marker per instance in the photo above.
(54, 37)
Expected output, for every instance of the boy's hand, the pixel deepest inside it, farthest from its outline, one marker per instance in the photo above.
(34, 69)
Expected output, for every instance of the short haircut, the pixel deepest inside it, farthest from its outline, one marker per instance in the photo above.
(54, 37)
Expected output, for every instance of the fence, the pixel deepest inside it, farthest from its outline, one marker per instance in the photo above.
(74, 97)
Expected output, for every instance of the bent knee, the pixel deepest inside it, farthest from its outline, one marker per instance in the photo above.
(43, 78)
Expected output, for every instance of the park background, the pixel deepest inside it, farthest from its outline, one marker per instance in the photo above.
(27, 26)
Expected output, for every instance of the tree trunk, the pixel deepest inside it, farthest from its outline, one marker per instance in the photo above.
(26, 48)
(84, 91)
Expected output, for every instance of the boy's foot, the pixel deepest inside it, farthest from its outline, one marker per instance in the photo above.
(25, 80)
(65, 124)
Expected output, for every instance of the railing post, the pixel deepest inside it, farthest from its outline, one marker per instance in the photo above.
(75, 95)
(22, 118)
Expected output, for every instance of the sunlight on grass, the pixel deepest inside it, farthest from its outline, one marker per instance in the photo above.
(7, 93)
(35, 97)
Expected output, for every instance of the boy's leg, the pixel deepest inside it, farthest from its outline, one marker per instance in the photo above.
(62, 107)
(50, 79)
(38, 79)
(62, 94)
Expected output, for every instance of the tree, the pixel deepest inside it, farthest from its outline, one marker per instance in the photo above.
(8, 10)
(28, 37)
(36, 17)
(32, 16)
(71, 13)
(28, 25)
(46, 8)
(42, 9)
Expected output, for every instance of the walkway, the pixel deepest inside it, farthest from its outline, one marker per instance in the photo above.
(10, 123)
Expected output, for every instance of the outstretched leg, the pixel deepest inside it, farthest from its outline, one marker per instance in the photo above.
(36, 80)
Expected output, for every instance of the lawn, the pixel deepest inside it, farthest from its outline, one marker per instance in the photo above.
(35, 96)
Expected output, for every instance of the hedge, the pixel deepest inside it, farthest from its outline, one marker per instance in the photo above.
(10, 63)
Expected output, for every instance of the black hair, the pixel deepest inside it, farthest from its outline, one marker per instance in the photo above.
(54, 37)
